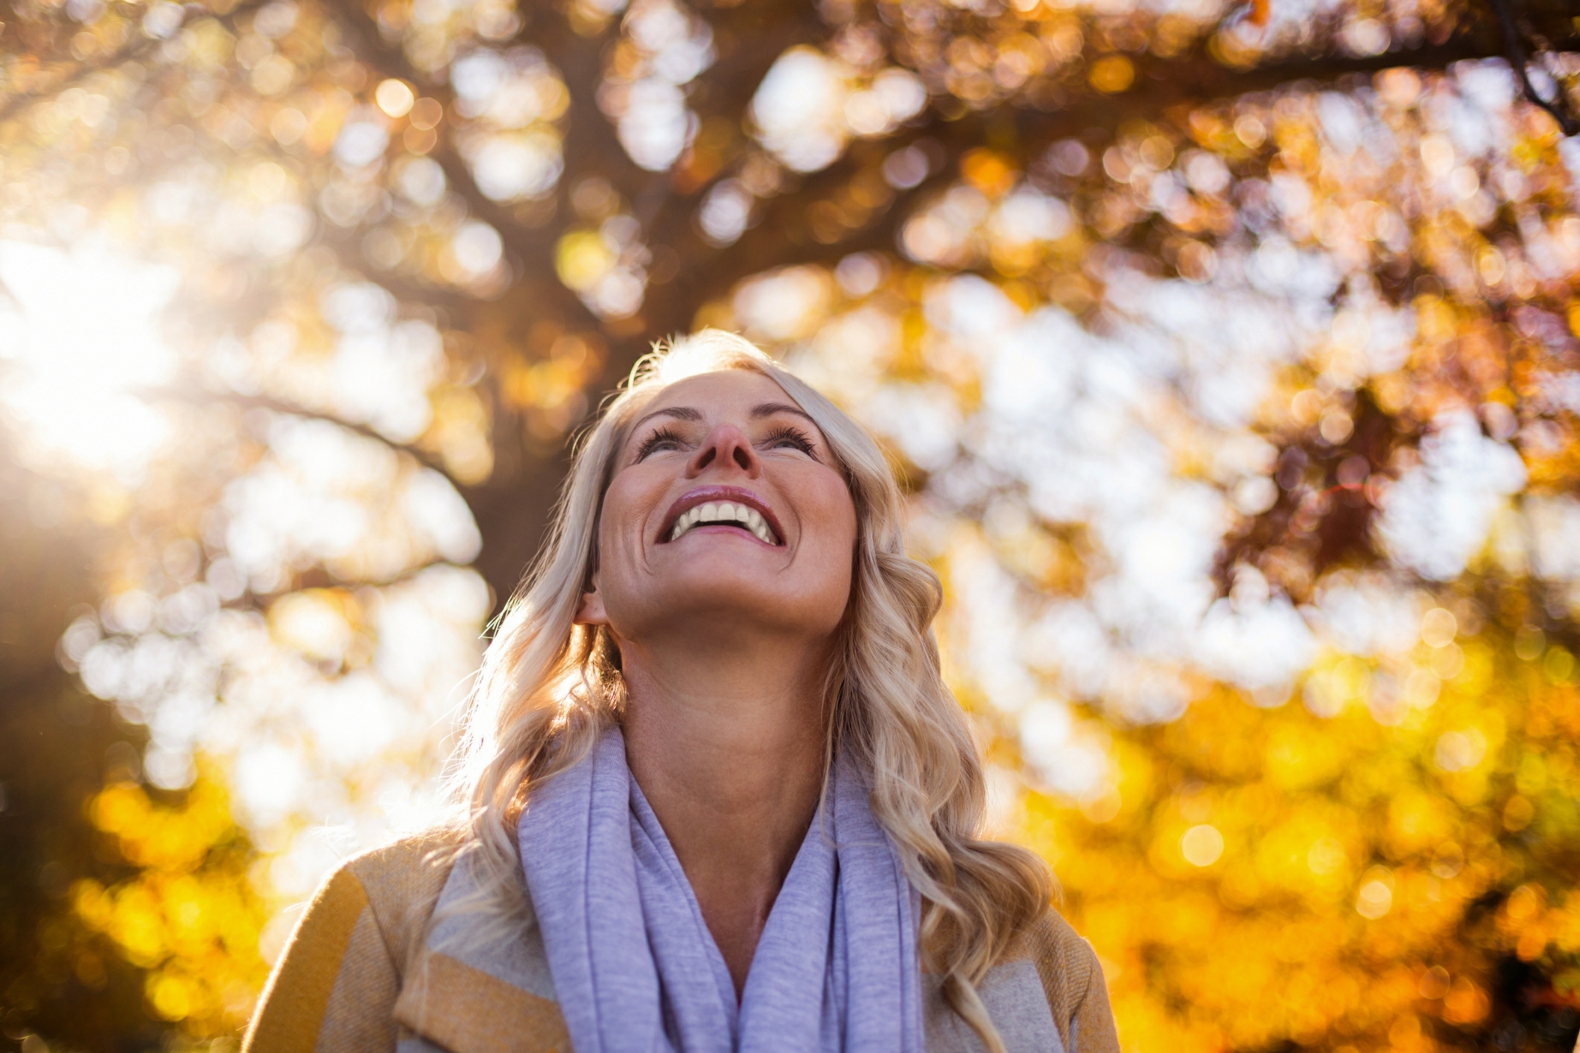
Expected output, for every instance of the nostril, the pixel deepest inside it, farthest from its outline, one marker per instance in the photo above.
(741, 457)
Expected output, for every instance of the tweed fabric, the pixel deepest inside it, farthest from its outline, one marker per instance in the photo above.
(478, 1012)
(403, 881)
(299, 991)
(1012, 994)
(1072, 979)
(353, 1017)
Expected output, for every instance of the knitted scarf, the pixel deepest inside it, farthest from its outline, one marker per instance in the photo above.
(635, 968)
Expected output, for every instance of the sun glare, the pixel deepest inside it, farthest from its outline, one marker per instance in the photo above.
(79, 334)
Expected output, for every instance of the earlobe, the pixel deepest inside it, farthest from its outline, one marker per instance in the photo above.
(590, 610)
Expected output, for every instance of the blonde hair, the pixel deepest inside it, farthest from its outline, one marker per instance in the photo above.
(548, 685)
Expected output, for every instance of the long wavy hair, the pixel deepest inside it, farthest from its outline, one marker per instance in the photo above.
(548, 686)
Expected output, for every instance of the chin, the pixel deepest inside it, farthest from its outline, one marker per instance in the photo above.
(723, 599)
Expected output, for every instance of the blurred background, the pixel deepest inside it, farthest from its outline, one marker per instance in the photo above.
(1228, 353)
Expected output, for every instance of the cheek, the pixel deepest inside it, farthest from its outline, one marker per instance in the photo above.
(836, 557)
(836, 513)
(836, 508)
(620, 525)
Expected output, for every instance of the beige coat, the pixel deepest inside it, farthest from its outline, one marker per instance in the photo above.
(364, 971)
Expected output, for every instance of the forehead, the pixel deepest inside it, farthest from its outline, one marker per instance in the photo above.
(720, 394)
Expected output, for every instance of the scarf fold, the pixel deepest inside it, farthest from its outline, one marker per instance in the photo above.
(635, 968)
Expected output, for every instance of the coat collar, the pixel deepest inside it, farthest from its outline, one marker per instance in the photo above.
(477, 986)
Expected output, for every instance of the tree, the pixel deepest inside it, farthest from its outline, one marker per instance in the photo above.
(1214, 342)
(59, 976)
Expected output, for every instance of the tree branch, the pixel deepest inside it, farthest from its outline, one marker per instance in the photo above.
(533, 250)
(128, 53)
(1515, 52)
(194, 394)
(1161, 85)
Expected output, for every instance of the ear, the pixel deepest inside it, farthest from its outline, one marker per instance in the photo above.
(590, 611)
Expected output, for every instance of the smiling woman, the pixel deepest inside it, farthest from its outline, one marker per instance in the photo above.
(715, 793)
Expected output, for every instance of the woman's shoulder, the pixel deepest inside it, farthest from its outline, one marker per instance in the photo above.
(1061, 955)
(1072, 980)
(401, 881)
(396, 883)
(339, 974)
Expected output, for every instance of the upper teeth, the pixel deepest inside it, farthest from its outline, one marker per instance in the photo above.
(724, 512)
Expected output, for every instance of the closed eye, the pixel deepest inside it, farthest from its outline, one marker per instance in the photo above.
(662, 439)
(788, 435)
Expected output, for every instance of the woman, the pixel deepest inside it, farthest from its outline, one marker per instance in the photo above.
(719, 796)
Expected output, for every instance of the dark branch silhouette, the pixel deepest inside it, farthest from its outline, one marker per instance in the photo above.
(1514, 45)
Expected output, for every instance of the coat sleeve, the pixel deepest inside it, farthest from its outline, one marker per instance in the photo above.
(1092, 1021)
(334, 988)
(1072, 980)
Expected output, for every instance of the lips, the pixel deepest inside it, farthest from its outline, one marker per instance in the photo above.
(722, 506)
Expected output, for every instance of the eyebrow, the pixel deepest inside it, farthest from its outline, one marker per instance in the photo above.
(766, 409)
(679, 412)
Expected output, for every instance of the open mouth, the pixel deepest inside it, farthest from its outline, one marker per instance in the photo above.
(724, 513)
(725, 506)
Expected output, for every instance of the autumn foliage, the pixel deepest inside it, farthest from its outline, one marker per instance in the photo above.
(1228, 353)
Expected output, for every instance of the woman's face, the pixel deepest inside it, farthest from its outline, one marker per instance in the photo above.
(726, 515)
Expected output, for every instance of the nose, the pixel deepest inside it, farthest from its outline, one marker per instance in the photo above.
(726, 448)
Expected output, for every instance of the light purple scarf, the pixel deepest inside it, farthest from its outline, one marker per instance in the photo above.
(636, 970)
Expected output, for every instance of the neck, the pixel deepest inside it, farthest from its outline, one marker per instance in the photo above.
(728, 747)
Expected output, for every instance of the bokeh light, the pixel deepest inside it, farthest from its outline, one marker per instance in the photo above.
(80, 337)
(1227, 354)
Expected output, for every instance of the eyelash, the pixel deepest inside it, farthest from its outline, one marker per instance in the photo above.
(783, 433)
(653, 441)
(794, 436)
